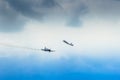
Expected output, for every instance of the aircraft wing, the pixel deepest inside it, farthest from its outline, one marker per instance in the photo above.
(65, 42)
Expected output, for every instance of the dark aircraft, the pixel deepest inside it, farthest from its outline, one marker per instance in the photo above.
(47, 50)
(68, 43)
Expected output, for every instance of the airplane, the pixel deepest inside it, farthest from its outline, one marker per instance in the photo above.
(47, 50)
(68, 43)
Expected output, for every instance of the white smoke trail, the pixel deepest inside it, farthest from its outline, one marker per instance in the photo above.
(17, 46)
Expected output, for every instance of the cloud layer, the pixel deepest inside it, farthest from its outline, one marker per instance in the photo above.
(15, 13)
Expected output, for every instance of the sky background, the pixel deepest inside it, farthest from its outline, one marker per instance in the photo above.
(93, 26)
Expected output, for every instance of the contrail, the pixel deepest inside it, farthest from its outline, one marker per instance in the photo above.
(17, 46)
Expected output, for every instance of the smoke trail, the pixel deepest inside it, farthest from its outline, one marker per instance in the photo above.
(17, 46)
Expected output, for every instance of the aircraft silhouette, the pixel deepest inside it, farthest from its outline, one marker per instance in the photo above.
(47, 50)
(68, 43)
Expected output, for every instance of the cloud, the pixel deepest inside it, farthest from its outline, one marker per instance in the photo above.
(15, 13)
(76, 12)
(104, 8)
(10, 20)
(30, 8)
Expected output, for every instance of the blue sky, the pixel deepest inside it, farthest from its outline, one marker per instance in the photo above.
(93, 26)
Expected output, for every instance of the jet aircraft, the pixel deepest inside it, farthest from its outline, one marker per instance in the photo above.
(47, 50)
(68, 43)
